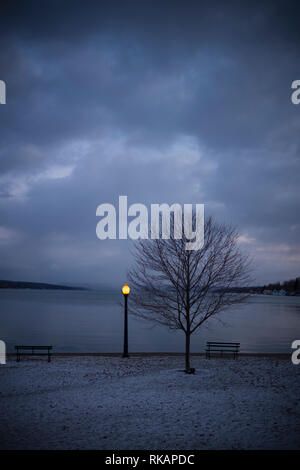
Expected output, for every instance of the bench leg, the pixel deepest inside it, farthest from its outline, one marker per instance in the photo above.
(49, 356)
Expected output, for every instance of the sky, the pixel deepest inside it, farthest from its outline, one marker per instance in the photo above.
(162, 101)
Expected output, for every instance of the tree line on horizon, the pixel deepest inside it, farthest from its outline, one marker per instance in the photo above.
(291, 287)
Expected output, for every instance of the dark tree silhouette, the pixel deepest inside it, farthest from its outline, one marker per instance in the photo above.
(182, 289)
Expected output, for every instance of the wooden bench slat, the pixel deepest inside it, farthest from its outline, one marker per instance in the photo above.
(223, 344)
(33, 347)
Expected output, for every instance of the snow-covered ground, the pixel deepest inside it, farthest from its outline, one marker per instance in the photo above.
(149, 403)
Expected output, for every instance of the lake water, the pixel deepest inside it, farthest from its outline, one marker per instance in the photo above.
(92, 321)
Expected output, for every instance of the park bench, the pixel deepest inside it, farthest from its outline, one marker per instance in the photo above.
(32, 350)
(222, 348)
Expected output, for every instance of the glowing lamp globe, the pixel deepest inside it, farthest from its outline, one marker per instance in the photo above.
(126, 289)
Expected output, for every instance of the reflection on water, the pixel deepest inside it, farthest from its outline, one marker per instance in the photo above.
(91, 321)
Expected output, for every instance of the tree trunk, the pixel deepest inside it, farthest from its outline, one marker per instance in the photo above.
(187, 352)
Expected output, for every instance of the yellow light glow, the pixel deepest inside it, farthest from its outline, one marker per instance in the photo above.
(125, 289)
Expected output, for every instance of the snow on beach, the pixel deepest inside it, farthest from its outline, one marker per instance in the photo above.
(94, 402)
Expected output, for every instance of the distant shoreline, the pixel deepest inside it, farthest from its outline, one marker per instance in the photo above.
(36, 285)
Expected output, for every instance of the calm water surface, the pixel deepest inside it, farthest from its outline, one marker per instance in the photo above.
(92, 321)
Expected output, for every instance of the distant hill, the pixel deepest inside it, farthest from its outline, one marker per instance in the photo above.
(35, 285)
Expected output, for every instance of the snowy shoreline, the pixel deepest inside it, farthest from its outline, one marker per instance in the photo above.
(278, 355)
(147, 402)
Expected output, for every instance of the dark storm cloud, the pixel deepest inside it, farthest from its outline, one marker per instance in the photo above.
(162, 101)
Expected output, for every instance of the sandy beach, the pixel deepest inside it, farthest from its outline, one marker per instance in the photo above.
(101, 402)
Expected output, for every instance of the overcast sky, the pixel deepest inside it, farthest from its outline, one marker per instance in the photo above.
(162, 101)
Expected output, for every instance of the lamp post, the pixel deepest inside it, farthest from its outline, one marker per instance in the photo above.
(126, 291)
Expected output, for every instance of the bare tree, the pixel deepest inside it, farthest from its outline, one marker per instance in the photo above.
(181, 288)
